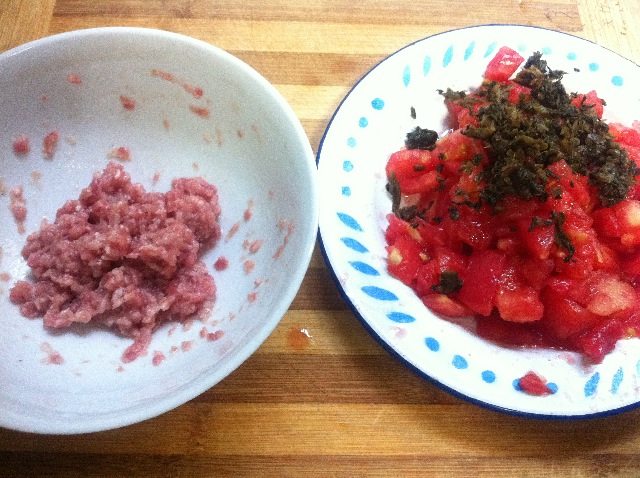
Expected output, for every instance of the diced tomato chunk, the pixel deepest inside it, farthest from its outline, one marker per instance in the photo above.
(503, 64)
(480, 281)
(444, 305)
(625, 135)
(591, 102)
(533, 384)
(521, 304)
(563, 316)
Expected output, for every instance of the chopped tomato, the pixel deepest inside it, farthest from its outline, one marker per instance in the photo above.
(560, 269)
(503, 65)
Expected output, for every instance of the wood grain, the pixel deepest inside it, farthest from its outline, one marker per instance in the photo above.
(336, 404)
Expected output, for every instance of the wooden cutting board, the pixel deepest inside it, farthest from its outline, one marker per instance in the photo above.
(321, 397)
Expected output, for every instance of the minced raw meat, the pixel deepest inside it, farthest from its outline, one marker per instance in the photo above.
(123, 257)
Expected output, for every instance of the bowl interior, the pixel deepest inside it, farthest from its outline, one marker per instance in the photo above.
(181, 108)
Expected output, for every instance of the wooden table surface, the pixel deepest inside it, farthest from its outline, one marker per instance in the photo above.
(336, 404)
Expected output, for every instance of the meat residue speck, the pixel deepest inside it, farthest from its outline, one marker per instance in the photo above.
(194, 91)
(232, 232)
(201, 111)
(221, 263)
(74, 79)
(252, 297)
(248, 266)
(286, 227)
(254, 246)
(186, 345)
(50, 144)
(211, 336)
(121, 153)
(158, 358)
(127, 103)
(248, 213)
(53, 357)
(18, 207)
(21, 145)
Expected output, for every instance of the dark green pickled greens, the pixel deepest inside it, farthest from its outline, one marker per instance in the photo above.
(523, 139)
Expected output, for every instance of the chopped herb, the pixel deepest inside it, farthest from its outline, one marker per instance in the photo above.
(560, 236)
(448, 284)
(393, 188)
(418, 167)
(421, 138)
(413, 112)
(539, 222)
(454, 213)
(408, 213)
(525, 138)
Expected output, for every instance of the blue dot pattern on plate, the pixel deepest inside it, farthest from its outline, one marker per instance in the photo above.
(353, 244)
(490, 49)
(591, 387)
(432, 344)
(488, 376)
(406, 76)
(448, 56)
(379, 293)
(426, 65)
(401, 317)
(617, 380)
(349, 221)
(364, 268)
(457, 361)
(469, 50)
(377, 104)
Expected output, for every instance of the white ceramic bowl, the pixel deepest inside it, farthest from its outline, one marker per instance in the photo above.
(196, 110)
(368, 126)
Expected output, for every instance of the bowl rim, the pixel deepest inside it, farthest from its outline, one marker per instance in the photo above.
(365, 323)
(309, 232)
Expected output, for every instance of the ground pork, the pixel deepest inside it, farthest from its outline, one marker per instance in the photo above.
(123, 257)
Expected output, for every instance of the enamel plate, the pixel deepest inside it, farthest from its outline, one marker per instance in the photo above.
(368, 126)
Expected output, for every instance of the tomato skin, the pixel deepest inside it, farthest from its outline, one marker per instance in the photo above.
(625, 135)
(591, 100)
(454, 149)
(414, 170)
(518, 92)
(503, 65)
(563, 316)
(480, 281)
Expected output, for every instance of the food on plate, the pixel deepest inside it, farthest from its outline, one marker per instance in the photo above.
(124, 258)
(526, 214)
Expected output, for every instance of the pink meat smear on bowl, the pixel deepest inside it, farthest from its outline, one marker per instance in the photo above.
(123, 258)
